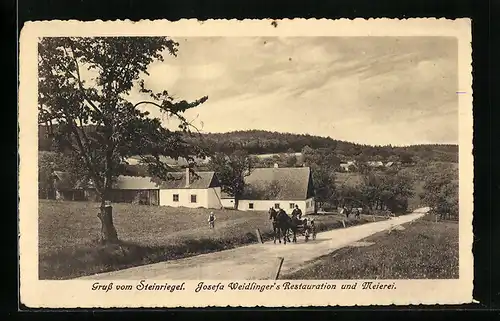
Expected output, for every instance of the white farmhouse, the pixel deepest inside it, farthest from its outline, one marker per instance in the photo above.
(278, 188)
(188, 191)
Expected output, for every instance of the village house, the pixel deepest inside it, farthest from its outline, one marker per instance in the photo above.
(188, 191)
(183, 190)
(347, 166)
(375, 164)
(63, 189)
(278, 188)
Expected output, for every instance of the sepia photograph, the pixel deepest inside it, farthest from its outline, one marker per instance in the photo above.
(271, 157)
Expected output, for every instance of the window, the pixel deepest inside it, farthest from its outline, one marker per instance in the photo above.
(193, 198)
(277, 205)
(176, 197)
(292, 205)
(250, 206)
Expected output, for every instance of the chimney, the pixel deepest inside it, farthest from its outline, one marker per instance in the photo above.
(187, 176)
(276, 165)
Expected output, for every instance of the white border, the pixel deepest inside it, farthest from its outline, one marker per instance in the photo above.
(71, 294)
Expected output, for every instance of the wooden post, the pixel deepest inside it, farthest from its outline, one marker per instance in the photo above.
(259, 236)
(278, 268)
(343, 223)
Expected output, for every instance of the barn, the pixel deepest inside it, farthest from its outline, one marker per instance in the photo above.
(135, 189)
(278, 188)
(64, 189)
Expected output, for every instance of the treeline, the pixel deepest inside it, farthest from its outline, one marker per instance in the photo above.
(266, 142)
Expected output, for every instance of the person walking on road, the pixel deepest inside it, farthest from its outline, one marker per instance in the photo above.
(211, 220)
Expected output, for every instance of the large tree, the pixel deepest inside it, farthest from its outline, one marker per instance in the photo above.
(441, 193)
(389, 190)
(87, 81)
(231, 171)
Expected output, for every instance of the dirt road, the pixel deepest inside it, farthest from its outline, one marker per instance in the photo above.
(256, 261)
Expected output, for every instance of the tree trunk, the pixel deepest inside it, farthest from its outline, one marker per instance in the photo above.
(108, 230)
(236, 203)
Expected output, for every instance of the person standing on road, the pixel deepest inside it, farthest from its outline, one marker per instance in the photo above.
(211, 220)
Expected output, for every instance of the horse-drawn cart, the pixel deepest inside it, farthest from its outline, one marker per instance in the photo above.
(304, 228)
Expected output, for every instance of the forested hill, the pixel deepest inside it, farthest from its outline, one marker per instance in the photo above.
(266, 142)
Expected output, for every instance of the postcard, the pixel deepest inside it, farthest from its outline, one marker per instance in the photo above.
(245, 163)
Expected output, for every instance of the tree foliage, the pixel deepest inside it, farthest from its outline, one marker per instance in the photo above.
(231, 171)
(84, 87)
(441, 193)
(323, 163)
(389, 190)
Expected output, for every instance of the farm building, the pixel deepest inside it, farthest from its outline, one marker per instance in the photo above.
(375, 164)
(188, 191)
(183, 190)
(126, 189)
(179, 163)
(135, 189)
(227, 200)
(278, 188)
(64, 189)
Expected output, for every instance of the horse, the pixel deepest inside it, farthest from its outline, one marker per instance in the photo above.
(285, 223)
(273, 216)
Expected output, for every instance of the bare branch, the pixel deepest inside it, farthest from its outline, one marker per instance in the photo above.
(78, 79)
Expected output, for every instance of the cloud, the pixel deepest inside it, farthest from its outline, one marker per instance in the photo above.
(373, 90)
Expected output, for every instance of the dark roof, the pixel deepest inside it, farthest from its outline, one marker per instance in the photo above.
(170, 161)
(205, 180)
(294, 183)
(225, 195)
(62, 180)
(134, 183)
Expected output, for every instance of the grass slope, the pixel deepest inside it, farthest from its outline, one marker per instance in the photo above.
(68, 232)
(423, 250)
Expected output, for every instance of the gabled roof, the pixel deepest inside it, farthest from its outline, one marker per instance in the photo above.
(293, 183)
(62, 180)
(225, 195)
(134, 183)
(178, 181)
(180, 162)
(375, 163)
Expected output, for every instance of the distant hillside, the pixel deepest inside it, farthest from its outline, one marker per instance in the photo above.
(266, 142)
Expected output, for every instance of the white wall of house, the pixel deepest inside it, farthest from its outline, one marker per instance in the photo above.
(214, 197)
(228, 202)
(206, 198)
(306, 206)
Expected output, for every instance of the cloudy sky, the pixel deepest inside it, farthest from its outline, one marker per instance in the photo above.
(372, 90)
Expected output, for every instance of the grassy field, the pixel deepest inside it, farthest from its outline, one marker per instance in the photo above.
(68, 233)
(423, 250)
